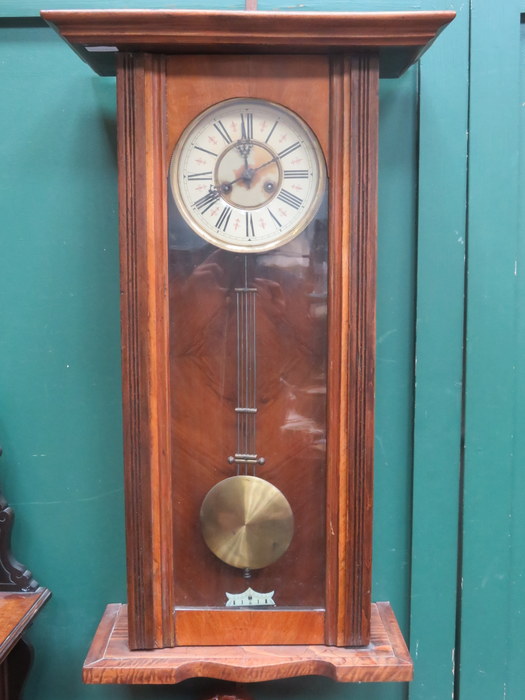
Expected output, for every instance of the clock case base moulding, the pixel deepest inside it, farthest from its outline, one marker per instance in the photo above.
(385, 659)
(359, 48)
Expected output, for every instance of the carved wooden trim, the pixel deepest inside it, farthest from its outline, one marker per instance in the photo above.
(144, 334)
(138, 496)
(13, 575)
(364, 86)
(352, 348)
(337, 398)
(402, 36)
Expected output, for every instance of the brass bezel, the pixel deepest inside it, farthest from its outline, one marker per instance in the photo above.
(285, 236)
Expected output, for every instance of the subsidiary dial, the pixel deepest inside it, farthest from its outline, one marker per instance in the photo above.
(247, 175)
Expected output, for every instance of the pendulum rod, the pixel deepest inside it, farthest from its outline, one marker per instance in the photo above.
(245, 457)
(246, 521)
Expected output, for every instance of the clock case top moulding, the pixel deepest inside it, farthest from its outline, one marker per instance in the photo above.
(399, 38)
(361, 47)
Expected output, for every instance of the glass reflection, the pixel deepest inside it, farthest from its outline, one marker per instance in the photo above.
(288, 431)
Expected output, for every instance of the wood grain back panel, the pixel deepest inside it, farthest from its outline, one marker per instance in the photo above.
(299, 83)
(290, 423)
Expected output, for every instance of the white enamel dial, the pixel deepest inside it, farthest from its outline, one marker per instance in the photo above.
(247, 175)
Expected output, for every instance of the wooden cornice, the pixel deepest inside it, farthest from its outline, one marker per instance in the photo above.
(97, 35)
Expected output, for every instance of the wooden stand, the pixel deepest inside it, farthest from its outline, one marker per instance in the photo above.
(21, 598)
(385, 659)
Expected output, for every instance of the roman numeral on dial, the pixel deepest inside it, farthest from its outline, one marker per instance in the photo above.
(205, 150)
(250, 231)
(271, 132)
(290, 149)
(274, 218)
(295, 174)
(200, 176)
(247, 126)
(224, 218)
(290, 199)
(204, 203)
(222, 131)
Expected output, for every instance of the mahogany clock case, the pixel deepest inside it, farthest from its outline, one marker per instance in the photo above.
(315, 360)
(325, 68)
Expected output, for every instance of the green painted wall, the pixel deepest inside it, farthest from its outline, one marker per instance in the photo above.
(450, 477)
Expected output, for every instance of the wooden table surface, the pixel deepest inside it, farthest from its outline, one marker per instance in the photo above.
(17, 611)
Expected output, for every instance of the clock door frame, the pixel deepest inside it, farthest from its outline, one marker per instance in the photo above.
(352, 169)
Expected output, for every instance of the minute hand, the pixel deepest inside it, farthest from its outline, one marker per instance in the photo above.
(273, 160)
(249, 172)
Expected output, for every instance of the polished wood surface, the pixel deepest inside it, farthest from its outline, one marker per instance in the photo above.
(143, 259)
(225, 626)
(353, 255)
(109, 660)
(197, 82)
(17, 611)
(400, 37)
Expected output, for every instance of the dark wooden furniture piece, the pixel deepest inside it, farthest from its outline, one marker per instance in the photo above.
(325, 67)
(21, 598)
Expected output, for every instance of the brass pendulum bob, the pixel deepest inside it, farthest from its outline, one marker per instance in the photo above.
(246, 522)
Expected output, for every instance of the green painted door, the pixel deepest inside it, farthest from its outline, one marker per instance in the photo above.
(450, 475)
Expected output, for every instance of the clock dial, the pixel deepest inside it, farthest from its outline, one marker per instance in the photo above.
(247, 175)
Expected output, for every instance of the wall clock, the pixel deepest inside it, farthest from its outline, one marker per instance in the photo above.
(247, 176)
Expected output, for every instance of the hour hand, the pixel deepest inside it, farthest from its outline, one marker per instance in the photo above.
(244, 145)
(247, 127)
(246, 177)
